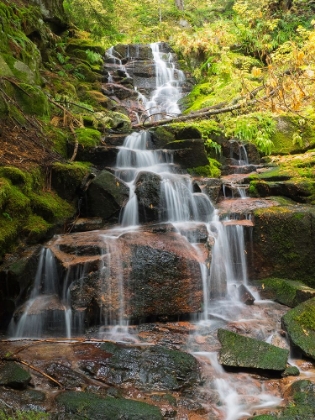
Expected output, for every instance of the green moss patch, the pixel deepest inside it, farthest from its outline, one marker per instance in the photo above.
(50, 207)
(91, 406)
(88, 137)
(240, 351)
(288, 292)
(300, 325)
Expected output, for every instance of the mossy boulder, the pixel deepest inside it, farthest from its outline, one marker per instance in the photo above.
(32, 100)
(161, 136)
(88, 405)
(283, 243)
(154, 367)
(4, 68)
(88, 137)
(106, 196)
(67, 177)
(301, 397)
(245, 352)
(299, 322)
(120, 122)
(189, 153)
(51, 207)
(292, 134)
(13, 376)
(287, 292)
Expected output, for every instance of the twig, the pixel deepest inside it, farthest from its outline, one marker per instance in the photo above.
(16, 359)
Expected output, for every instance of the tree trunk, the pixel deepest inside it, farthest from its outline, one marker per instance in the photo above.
(179, 4)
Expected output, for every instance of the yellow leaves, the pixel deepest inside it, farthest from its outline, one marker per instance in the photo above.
(305, 332)
(256, 72)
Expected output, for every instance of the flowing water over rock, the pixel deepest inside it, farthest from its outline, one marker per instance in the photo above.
(170, 258)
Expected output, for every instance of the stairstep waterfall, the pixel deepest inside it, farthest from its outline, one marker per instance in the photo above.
(57, 303)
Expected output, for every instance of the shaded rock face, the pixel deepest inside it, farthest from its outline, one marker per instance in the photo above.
(245, 352)
(138, 275)
(106, 196)
(283, 244)
(148, 192)
(188, 153)
(52, 11)
(300, 326)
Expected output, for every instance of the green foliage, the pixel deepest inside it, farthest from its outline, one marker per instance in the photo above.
(93, 57)
(88, 137)
(94, 16)
(11, 414)
(208, 171)
(256, 128)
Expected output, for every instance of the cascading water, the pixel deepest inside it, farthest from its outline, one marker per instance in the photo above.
(184, 209)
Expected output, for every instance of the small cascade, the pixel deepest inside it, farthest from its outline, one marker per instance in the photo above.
(47, 310)
(163, 102)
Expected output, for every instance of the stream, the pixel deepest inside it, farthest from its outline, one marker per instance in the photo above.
(229, 300)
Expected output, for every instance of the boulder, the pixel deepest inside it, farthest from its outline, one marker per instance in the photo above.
(211, 187)
(283, 243)
(106, 196)
(287, 292)
(138, 275)
(13, 376)
(188, 153)
(299, 323)
(148, 192)
(244, 352)
(151, 368)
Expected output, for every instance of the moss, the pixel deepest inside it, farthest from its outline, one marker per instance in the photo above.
(241, 351)
(289, 127)
(32, 100)
(36, 228)
(208, 171)
(51, 207)
(9, 230)
(300, 324)
(88, 137)
(287, 292)
(17, 205)
(92, 406)
(67, 177)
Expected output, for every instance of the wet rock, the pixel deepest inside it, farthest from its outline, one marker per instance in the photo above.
(291, 371)
(106, 196)
(87, 224)
(92, 406)
(283, 244)
(211, 187)
(163, 282)
(299, 191)
(100, 156)
(288, 292)
(189, 153)
(66, 376)
(300, 326)
(245, 352)
(138, 275)
(13, 376)
(245, 295)
(148, 192)
(153, 367)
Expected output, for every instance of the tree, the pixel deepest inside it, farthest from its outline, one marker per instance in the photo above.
(94, 16)
(179, 4)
